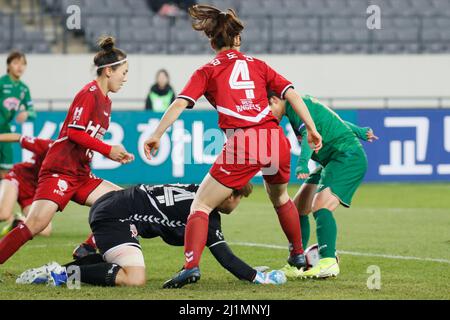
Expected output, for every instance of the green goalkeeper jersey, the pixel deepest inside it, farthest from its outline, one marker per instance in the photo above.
(337, 135)
(14, 97)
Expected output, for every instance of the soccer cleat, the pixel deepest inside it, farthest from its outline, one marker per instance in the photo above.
(18, 218)
(57, 275)
(83, 250)
(36, 275)
(326, 268)
(291, 272)
(184, 277)
(298, 261)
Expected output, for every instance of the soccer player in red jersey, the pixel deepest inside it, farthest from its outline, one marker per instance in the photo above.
(65, 173)
(20, 183)
(236, 85)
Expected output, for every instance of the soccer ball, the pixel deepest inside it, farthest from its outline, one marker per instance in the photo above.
(313, 257)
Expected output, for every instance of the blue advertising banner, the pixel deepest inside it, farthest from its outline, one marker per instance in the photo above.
(413, 145)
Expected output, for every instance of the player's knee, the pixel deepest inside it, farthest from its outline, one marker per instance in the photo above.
(132, 277)
(47, 232)
(4, 214)
(36, 223)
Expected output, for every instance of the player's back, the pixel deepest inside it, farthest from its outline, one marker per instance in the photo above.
(236, 85)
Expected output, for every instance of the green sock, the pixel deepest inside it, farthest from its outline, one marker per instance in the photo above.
(326, 233)
(306, 230)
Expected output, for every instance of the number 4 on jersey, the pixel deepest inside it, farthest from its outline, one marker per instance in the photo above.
(241, 71)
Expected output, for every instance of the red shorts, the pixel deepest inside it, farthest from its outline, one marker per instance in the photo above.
(248, 151)
(61, 189)
(25, 188)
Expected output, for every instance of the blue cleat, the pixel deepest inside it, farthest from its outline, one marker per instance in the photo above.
(183, 278)
(57, 276)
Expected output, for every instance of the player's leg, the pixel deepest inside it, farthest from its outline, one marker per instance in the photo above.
(47, 231)
(6, 158)
(335, 189)
(303, 201)
(103, 188)
(208, 197)
(41, 213)
(92, 190)
(9, 193)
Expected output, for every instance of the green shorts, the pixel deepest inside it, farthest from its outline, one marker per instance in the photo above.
(6, 156)
(343, 175)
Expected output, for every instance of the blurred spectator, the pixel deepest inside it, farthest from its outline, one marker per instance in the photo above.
(170, 8)
(161, 94)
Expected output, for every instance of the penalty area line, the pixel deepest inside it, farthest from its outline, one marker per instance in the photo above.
(343, 252)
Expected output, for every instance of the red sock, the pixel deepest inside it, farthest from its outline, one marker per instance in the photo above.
(290, 223)
(195, 238)
(91, 241)
(13, 241)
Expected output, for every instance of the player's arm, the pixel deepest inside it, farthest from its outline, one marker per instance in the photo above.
(232, 263)
(152, 144)
(302, 170)
(10, 137)
(77, 134)
(363, 133)
(314, 137)
(29, 113)
(195, 88)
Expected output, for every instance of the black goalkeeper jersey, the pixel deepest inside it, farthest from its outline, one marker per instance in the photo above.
(161, 211)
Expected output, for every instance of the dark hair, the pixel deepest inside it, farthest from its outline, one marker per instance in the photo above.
(164, 71)
(246, 191)
(271, 94)
(15, 55)
(220, 27)
(108, 53)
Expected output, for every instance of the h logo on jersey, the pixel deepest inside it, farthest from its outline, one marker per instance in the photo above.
(77, 114)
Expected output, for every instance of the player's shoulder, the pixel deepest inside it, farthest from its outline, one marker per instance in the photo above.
(88, 92)
(4, 78)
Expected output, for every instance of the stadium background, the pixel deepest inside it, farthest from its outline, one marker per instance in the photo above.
(394, 80)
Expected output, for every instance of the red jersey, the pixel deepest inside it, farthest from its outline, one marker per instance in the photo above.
(29, 171)
(89, 112)
(236, 85)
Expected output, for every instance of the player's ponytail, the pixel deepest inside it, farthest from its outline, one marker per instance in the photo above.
(109, 55)
(221, 28)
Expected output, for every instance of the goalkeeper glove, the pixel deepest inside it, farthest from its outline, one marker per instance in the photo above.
(272, 277)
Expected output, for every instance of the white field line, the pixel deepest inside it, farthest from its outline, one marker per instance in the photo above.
(271, 246)
(350, 253)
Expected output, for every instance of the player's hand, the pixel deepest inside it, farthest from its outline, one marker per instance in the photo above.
(303, 176)
(315, 140)
(370, 136)
(22, 117)
(276, 277)
(151, 147)
(118, 153)
(302, 172)
(129, 157)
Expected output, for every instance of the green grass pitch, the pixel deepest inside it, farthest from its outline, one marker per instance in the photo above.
(388, 226)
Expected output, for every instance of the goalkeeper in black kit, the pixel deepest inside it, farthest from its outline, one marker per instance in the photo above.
(120, 218)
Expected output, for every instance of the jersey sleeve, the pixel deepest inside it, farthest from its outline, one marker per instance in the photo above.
(81, 112)
(360, 132)
(35, 145)
(276, 82)
(215, 235)
(195, 88)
